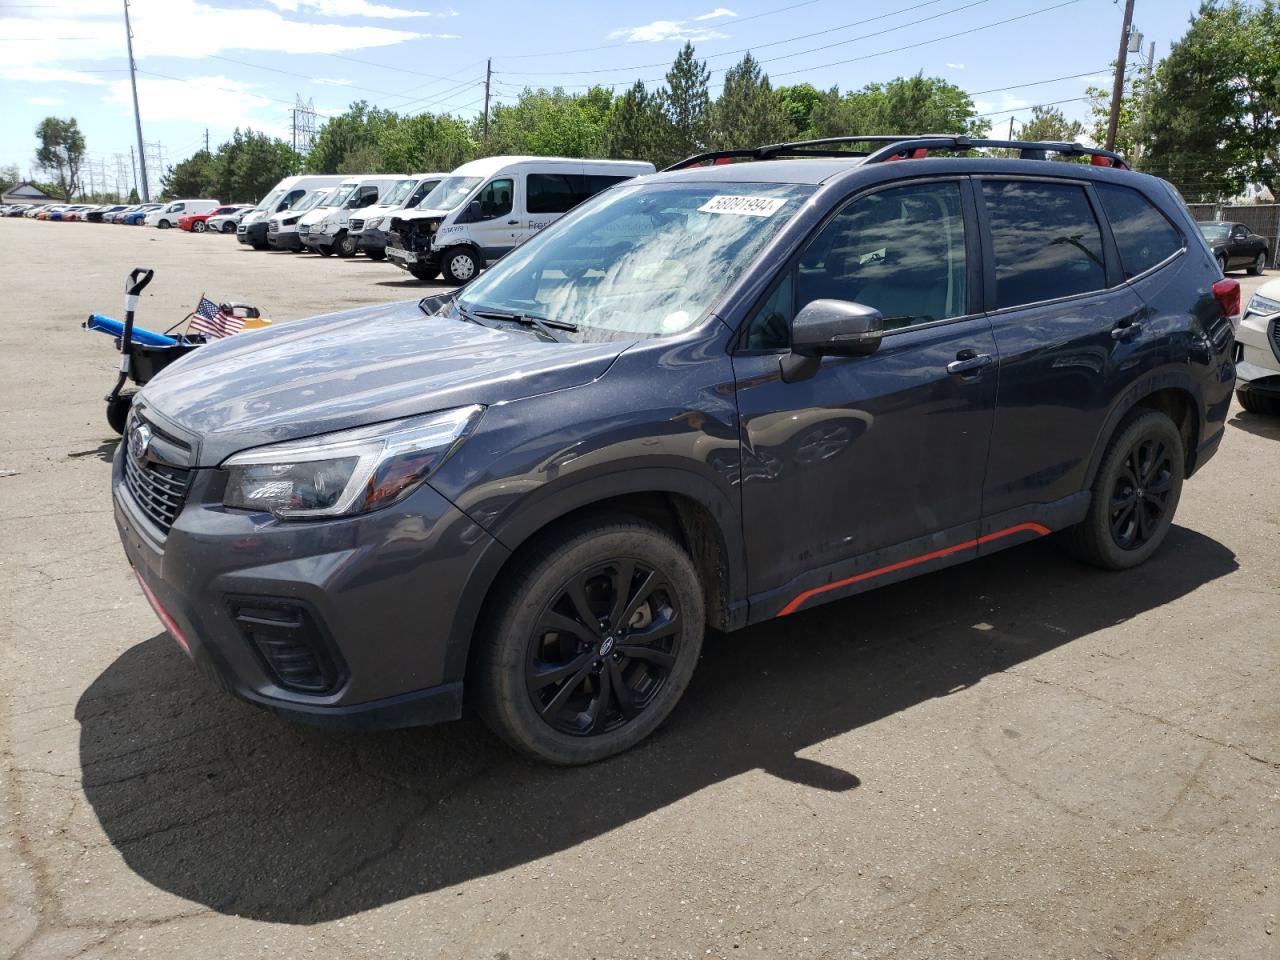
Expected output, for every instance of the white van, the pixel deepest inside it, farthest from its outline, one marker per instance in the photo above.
(486, 208)
(282, 227)
(252, 228)
(167, 216)
(324, 229)
(370, 228)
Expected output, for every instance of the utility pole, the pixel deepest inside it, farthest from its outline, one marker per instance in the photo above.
(206, 139)
(1011, 128)
(1117, 88)
(133, 165)
(137, 115)
(488, 74)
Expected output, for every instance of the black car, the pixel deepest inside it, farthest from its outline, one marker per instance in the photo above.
(1235, 246)
(724, 393)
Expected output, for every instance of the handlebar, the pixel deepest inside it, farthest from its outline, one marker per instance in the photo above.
(138, 279)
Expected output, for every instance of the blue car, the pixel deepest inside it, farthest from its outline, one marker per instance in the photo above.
(135, 217)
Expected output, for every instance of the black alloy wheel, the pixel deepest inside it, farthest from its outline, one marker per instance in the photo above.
(603, 648)
(1141, 493)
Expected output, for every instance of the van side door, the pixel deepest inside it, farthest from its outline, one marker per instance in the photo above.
(1070, 336)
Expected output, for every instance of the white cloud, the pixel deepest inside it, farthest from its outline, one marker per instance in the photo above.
(716, 14)
(30, 74)
(45, 101)
(207, 96)
(956, 66)
(660, 30)
(1005, 104)
(354, 8)
(331, 81)
(185, 28)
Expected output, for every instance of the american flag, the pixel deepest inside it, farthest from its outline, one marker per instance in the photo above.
(212, 321)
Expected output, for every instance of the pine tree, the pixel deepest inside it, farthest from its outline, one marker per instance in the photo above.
(747, 113)
(685, 103)
(635, 125)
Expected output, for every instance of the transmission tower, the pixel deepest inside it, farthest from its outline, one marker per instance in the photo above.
(304, 124)
(154, 166)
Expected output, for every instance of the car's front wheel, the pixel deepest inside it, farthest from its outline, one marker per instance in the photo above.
(346, 245)
(1135, 494)
(460, 265)
(199, 226)
(592, 641)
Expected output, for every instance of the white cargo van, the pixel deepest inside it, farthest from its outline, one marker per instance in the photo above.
(252, 228)
(167, 216)
(324, 229)
(282, 228)
(370, 226)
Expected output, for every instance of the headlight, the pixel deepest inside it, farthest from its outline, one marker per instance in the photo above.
(373, 224)
(1262, 306)
(351, 471)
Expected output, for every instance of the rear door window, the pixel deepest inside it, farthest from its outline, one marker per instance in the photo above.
(1047, 242)
(1144, 236)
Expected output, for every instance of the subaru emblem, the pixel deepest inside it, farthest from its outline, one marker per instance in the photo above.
(139, 441)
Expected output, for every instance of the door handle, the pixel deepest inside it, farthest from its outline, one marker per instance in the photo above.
(1126, 331)
(969, 361)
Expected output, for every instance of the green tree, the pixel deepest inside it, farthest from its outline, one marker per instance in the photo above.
(799, 101)
(426, 143)
(360, 126)
(61, 152)
(636, 126)
(551, 123)
(1134, 115)
(1213, 114)
(1050, 123)
(916, 104)
(10, 176)
(685, 104)
(190, 178)
(247, 166)
(747, 113)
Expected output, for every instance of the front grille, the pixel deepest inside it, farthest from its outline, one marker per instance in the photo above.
(1275, 337)
(288, 638)
(273, 226)
(305, 228)
(158, 489)
(355, 225)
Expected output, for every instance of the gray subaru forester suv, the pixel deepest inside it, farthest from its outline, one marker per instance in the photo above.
(756, 382)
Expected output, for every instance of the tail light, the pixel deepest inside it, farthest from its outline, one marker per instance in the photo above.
(1227, 292)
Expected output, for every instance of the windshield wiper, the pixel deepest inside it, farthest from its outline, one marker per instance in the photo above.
(546, 328)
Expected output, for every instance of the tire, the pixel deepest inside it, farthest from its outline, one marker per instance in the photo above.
(585, 721)
(228, 228)
(199, 227)
(1222, 264)
(258, 244)
(118, 412)
(323, 250)
(425, 274)
(1259, 265)
(1145, 460)
(164, 224)
(460, 265)
(1258, 403)
(345, 245)
(376, 253)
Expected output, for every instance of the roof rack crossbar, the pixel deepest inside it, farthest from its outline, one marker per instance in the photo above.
(898, 147)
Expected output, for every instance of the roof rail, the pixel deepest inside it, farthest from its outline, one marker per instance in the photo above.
(900, 147)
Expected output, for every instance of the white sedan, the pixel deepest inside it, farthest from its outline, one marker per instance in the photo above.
(1258, 351)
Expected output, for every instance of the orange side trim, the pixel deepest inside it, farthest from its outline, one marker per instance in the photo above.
(795, 604)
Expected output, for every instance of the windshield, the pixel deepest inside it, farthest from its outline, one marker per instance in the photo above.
(310, 200)
(448, 193)
(1214, 231)
(639, 261)
(269, 203)
(398, 194)
(339, 196)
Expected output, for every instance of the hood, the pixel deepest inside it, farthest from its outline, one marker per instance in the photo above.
(355, 368)
(419, 214)
(315, 216)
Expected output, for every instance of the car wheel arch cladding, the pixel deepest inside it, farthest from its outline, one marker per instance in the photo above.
(1151, 391)
(704, 519)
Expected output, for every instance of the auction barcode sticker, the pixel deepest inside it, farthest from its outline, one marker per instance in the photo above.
(744, 206)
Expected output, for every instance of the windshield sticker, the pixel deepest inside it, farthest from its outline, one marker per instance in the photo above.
(743, 206)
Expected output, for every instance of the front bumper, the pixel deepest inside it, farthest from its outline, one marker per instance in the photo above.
(284, 241)
(253, 233)
(1258, 353)
(374, 239)
(408, 259)
(317, 241)
(380, 590)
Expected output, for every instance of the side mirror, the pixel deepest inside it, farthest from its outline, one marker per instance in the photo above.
(830, 328)
(474, 212)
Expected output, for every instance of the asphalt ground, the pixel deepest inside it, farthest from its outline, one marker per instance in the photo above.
(1017, 758)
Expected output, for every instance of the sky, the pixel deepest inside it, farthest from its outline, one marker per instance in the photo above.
(213, 65)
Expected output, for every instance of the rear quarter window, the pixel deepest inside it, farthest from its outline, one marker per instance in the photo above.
(1144, 236)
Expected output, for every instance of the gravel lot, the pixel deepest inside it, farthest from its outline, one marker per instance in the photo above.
(1018, 758)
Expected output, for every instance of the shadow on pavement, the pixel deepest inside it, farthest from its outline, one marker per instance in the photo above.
(1258, 424)
(105, 451)
(228, 806)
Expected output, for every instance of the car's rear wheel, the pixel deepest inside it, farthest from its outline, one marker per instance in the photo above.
(1259, 264)
(163, 224)
(592, 641)
(228, 228)
(1222, 263)
(1258, 403)
(1135, 494)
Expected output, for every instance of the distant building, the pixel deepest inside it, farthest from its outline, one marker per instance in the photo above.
(26, 192)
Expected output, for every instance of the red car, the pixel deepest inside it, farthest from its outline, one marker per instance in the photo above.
(194, 222)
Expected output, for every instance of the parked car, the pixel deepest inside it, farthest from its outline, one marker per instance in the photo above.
(167, 216)
(252, 228)
(324, 229)
(58, 212)
(77, 212)
(1235, 246)
(486, 208)
(195, 221)
(559, 475)
(101, 214)
(138, 216)
(1258, 351)
(282, 228)
(226, 222)
(34, 212)
(369, 227)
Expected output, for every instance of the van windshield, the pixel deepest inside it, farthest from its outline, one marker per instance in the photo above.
(310, 201)
(339, 196)
(638, 261)
(399, 193)
(269, 202)
(448, 193)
